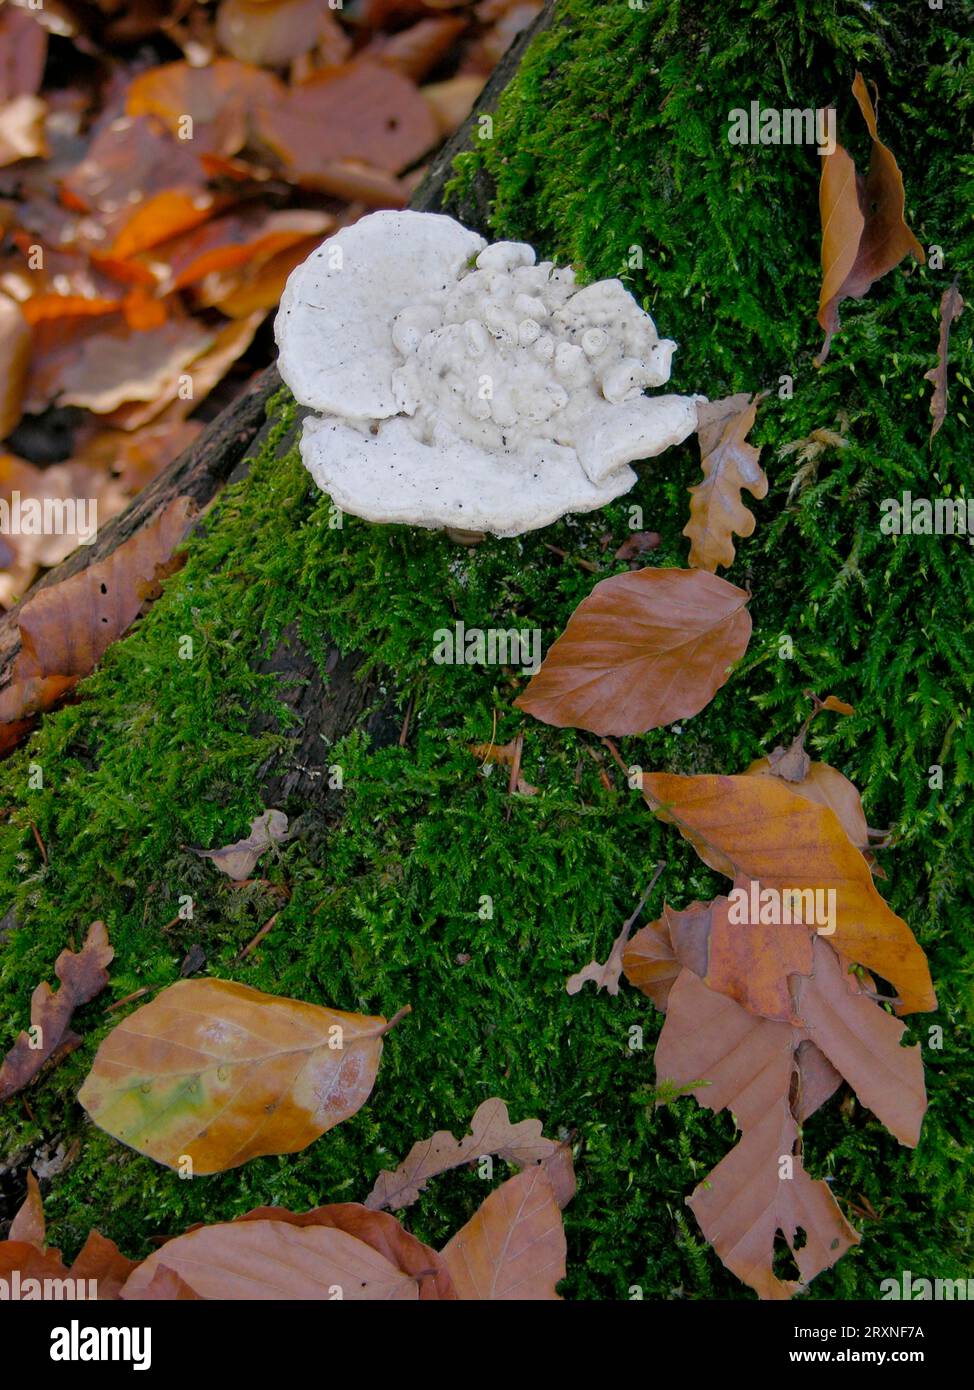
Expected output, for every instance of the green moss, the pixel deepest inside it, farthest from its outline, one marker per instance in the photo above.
(612, 137)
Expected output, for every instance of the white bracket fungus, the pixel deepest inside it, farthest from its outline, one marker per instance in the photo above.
(459, 384)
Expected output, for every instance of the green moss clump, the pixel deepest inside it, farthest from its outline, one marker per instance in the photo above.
(611, 138)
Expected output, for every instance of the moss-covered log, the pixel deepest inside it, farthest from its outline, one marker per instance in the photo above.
(420, 880)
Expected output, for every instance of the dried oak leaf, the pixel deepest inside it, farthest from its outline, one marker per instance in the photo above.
(360, 110)
(864, 234)
(218, 1073)
(951, 308)
(757, 828)
(238, 860)
(491, 1132)
(82, 974)
(66, 628)
(729, 465)
(757, 1069)
(277, 1260)
(643, 650)
(219, 99)
(513, 1247)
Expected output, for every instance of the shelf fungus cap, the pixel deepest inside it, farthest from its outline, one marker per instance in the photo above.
(460, 384)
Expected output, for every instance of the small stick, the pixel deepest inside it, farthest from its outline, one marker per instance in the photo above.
(404, 731)
(259, 937)
(40, 842)
(129, 998)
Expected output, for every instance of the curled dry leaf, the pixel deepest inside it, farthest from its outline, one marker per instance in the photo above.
(864, 234)
(66, 629)
(238, 860)
(772, 1075)
(217, 1073)
(758, 828)
(82, 974)
(491, 1132)
(513, 1247)
(342, 1250)
(951, 307)
(643, 650)
(730, 464)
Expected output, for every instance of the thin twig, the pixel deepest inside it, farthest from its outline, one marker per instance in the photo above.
(129, 999)
(259, 937)
(40, 842)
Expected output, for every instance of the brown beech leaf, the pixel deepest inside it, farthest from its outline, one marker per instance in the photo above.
(380, 1231)
(165, 1286)
(654, 957)
(770, 1075)
(729, 465)
(759, 828)
(217, 1073)
(275, 1260)
(513, 1247)
(66, 628)
(491, 1132)
(951, 308)
(238, 860)
(826, 786)
(643, 650)
(864, 235)
(82, 974)
(360, 110)
(218, 98)
(101, 1260)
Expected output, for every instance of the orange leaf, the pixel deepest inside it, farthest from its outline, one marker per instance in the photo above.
(214, 1073)
(218, 99)
(758, 828)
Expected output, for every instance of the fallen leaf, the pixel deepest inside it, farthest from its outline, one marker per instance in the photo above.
(607, 976)
(729, 465)
(269, 35)
(29, 1224)
(513, 1247)
(758, 828)
(239, 859)
(23, 52)
(216, 1073)
(82, 974)
(747, 1065)
(638, 544)
(951, 307)
(22, 130)
(643, 650)
(452, 101)
(654, 957)
(119, 366)
(523, 1145)
(66, 628)
(864, 234)
(505, 755)
(416, 51)
(218, 100)
(361, 110)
